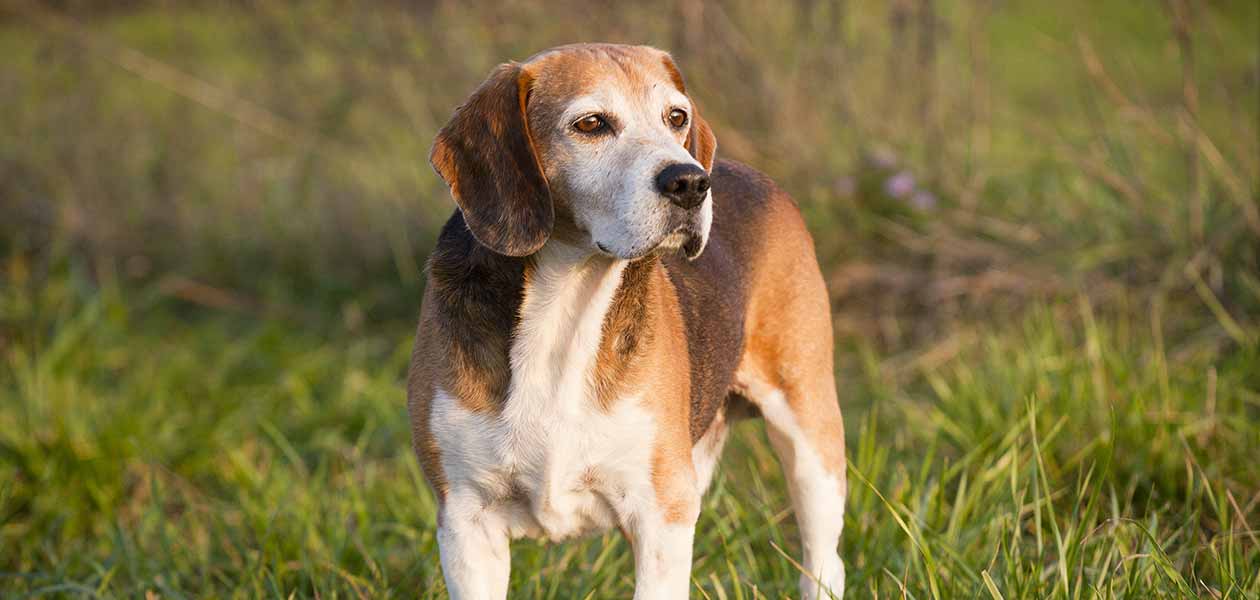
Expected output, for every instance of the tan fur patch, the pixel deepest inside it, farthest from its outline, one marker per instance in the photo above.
(673, 474)
(626, 333)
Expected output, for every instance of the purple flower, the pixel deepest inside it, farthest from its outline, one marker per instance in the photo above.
(900, 186)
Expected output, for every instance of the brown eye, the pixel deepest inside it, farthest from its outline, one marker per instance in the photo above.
(591, 124)
(677, 118)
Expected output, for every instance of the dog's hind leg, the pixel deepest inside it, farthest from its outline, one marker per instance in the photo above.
(787, 373)
(807, 435)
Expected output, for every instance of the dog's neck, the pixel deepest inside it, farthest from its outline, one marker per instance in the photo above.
(555, 346)
(564, 319)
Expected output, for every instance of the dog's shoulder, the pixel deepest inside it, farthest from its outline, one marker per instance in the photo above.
(471, 307)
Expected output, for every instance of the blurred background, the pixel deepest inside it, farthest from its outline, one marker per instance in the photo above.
(1039, 221)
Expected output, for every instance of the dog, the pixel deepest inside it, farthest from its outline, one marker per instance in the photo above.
(605, 300)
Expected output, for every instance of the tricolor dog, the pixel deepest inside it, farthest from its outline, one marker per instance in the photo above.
(604, 302)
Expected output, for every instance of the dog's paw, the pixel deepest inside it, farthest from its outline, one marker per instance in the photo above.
(827, 584)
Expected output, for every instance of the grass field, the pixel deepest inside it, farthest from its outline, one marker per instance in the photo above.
(213, 221)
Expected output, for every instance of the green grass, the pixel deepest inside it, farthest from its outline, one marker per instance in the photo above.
(148, 447)
(1051, 377)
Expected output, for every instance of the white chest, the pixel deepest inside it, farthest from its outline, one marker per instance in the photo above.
(556, 463)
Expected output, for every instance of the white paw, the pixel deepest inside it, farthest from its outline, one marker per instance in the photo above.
(827, 584)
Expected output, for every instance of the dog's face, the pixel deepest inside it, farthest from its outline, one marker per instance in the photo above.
(611, 128)
(602, 138)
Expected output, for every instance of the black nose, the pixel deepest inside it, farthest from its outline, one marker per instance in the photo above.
(684, 184)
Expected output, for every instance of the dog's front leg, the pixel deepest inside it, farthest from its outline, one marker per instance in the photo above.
(473, 542)
(662, 560)
(662, 532)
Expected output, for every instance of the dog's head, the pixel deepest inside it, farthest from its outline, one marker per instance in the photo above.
(596, 143)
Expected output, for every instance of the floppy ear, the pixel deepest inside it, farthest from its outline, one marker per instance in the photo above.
(486, 155)
(700, 140)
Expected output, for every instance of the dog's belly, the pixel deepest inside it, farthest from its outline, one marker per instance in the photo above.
(549, 474)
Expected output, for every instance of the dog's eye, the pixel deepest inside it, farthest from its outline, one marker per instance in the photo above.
(677, 118)
(591, 124)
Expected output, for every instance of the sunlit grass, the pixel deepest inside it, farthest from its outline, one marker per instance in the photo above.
(150, 448)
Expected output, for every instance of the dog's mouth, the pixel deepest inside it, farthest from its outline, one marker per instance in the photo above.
(684, 238)
(686, 232)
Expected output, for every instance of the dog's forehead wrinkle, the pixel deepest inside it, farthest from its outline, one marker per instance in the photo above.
(580, 71)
